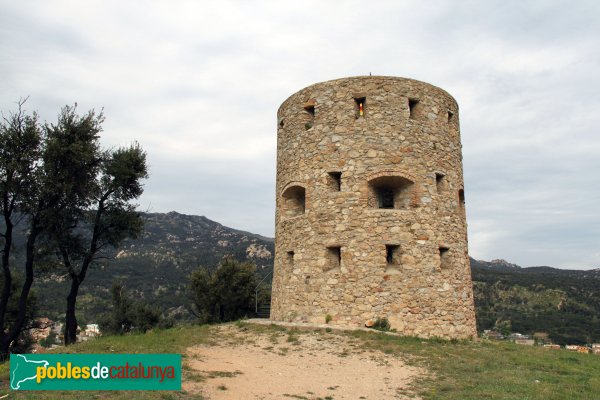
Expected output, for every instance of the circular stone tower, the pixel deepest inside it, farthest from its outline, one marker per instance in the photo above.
(370, 218)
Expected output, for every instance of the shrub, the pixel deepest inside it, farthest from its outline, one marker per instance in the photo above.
(226, 294)
(381, 324)
(128, 315)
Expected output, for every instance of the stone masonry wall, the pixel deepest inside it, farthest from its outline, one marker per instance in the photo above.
(337, 251)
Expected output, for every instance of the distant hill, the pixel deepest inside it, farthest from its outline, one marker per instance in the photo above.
(156, 266)
(563, 303)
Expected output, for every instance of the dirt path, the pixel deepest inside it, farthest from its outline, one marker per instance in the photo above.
(244, 364)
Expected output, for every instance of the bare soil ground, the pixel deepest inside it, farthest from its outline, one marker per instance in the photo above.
(245, 363)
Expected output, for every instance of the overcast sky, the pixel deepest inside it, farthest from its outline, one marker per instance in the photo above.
(198, 84)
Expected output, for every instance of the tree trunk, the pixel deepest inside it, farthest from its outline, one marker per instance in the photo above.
(8, 338)
(7, 276)
(70, 319)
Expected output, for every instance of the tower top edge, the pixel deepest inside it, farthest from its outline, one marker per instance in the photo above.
(368, 78)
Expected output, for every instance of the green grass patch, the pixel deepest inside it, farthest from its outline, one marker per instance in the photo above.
(464, 370)
(174, 340)
(458, 369)
(493, 370)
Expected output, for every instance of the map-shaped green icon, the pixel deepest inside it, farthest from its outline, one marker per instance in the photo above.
(23, 369)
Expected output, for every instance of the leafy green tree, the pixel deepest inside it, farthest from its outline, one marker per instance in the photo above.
(21, 141)
(71, 194)
(117, 321)
(99, 214)
(226, 294)
(128, 315)
(203, 298)
(504, 327)
(49, 340)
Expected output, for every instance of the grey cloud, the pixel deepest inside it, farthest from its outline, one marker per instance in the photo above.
(198, 85)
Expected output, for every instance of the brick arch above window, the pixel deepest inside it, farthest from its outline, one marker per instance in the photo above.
(390, 189)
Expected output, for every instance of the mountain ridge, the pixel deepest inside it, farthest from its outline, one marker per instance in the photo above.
(156, 266)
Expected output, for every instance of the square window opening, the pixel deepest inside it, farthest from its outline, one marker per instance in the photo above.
(392, 254)
(334, 257)
(335, 180)
(385, 197)
(290, 257)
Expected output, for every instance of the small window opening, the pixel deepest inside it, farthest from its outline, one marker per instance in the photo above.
(391, 192)
(290, 258)
(281, 123)
(413, 107)
(440, 182)
(334, 257)
(450, 116)
(385, 197)
(335, 181)
(461, 197)
(444, 257)
(294, 201)
(309, 107)
(360, 106)
(392, 254)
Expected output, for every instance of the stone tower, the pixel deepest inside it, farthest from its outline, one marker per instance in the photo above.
(370, 218)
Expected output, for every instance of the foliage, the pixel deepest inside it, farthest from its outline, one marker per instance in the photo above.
(128, 315)
(565, 304)
(226, 294)
(381, 324)
(49, 340)
(97, 187)
(157, 265)
(71, 198)
(24, 341)
(23, 193)
(504, 327)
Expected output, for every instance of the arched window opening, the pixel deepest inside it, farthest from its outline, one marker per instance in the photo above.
(390, 192)
(294, 201)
